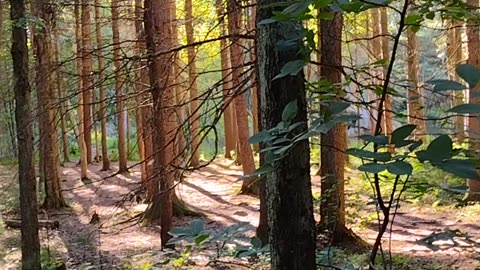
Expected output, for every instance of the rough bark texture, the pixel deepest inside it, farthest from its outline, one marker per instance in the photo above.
(288, 188)
(473, 34)
(388, 113)
(81, 130)
(229, 125)
(117, 61)
(30, 242)
(414, 94)
(46, 106)
(158, 30)
(87, 76)
(192, 79)
(332, 166)
(236, 52)
(101, 86)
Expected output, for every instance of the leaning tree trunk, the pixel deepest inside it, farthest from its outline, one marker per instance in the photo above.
(236, 52)
(474, 97)
(288, 187)
(117, 61)
(101, 85)
(47, 108)
(30, 242)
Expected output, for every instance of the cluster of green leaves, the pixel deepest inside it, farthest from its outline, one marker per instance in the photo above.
(227, 241)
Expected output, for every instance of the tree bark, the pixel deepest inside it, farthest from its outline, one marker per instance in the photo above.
(30, 242)
(414, 95)
(236, 52)
(117, 61)
(87, 76)
(229, 124)
(388, 117)
(288, 188)
(473, 34)
(101, 86)
(47, 108)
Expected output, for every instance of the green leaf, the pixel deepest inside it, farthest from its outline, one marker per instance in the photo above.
(373, 167)
(196, 226)
(290, 111)
(440, 148)
(201, 238)
(400, 168)
(415, 145)
(468, 108)
(291, 68)
(469, 73)
(256, 242)
(259, 137)
(364, 154)
(179, 231)
(399, 134)
(446, 85)
(379, 139)
(463, 168)
(267, 21)
(338, 107)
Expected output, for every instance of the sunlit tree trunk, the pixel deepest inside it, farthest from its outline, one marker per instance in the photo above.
(377, 55)
(332, 208)
(388, 117)
(236, 52)
(61, 96)
(46, 103)
(230, 138)
(372, 96)
(414, 95)
(30, 242)
(101, 86)
(473, 30)
(192, 79)
(117, 61)
(158, 30)
(81, 130)
(87, 75)
(288, 189)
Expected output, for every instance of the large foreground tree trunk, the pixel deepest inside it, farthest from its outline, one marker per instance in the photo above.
(288, 188)
(28, 191)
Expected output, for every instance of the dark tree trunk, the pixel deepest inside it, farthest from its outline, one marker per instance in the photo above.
(28, 192)
(288, 188)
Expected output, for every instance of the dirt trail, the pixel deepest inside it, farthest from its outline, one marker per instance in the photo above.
(213, 192)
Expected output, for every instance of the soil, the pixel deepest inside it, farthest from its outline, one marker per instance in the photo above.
(451, 238)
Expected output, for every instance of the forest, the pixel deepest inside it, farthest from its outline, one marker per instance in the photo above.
(228, 134)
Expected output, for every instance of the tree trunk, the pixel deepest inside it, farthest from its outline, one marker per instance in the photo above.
(332, 208)
(236, 52)
(101, 86)
(289, 194)
(414, 96)
(474, 97)
(117, 61)
(47, 108)
(388, 111)
(230, 137)
(87, 76)
(61, 96)
(30, 242)
(458, 96)
(81, 130)
(192, 79)
(158, 30)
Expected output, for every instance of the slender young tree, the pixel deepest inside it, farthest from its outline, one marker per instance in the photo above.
(30, 242)
(47, 109)
(101, 86)
(289, 194)
(192, 79)
(473, 35)
(236, 52)
(388, 118)
(87, 75)
(228, 114)
(117, 61)
(81, 116)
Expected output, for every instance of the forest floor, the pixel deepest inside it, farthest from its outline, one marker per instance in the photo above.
(454, 234)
